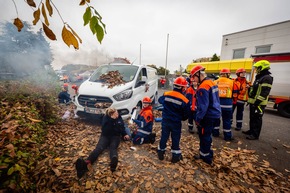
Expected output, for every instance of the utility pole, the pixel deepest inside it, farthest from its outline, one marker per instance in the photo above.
(140, 55)
(166, 55)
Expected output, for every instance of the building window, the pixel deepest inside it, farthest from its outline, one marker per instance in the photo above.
(239, 53)
(263, 49)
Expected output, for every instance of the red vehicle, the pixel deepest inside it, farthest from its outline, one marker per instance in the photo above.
(280, 69)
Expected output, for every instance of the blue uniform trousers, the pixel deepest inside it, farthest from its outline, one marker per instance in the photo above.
(205, 129)
(226, 118)
(172, 128)
(239, 114)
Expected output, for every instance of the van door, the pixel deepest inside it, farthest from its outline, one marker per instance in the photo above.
(139, 89)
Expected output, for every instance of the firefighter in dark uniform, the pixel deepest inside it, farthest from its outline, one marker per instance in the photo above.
(258, 98)
(208, 112)
(175, 109)
(190, 95)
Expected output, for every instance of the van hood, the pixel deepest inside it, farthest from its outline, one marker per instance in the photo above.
(101, 89)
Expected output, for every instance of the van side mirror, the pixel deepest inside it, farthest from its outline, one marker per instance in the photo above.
(142, 81)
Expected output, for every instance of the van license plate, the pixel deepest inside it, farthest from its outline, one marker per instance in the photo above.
(94, 111)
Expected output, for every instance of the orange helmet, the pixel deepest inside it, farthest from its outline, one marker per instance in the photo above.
(180, 81)
(65, 85)
(240, 70)
(146, 100)
(225, 71)
(196, 69)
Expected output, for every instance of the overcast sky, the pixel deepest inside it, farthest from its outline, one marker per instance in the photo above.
(195, 27)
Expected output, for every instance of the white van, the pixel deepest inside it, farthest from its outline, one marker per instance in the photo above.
(94, 96)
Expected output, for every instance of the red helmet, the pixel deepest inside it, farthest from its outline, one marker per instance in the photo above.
(240, 70)
(180, 81)
(225, 71)
(196, 69)
(65, 85)
(146, 100)
(74, 86)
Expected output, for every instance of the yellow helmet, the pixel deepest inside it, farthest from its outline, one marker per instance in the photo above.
(262, 65)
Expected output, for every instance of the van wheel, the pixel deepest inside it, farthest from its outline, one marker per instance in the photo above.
(284, 109)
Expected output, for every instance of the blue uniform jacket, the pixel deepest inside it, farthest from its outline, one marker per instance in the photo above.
(176, 106)
(145, 120)
(207, 100)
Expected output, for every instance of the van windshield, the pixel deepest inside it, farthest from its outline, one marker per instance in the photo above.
(128, 72)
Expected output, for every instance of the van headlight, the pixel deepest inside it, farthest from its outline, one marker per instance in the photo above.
(123, 95)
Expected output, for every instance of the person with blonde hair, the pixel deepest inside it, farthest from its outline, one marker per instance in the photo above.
(112, 130)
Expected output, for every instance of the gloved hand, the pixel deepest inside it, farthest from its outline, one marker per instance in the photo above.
(137, 122)
(257, 102)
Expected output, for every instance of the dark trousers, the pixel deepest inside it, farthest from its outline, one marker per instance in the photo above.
(256, 115)
(239, 114)
(191, 118)
(173, 128)
(104, 142)
(205, 129)
(226, 118)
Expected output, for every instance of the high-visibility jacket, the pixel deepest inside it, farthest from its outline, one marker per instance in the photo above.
(243, 89)
(190, 95)
(225, 86)
(259, 92)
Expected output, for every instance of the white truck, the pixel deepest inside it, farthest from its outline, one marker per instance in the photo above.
(280, 69)
(94, 96)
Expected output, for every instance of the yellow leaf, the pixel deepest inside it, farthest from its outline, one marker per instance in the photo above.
(36, 15)
(48, 7)
(69, 38)
(82, 2)
(31, 3)
(44, 15)
(48, 32)
(34, 120)
(75, 34)
(18, 23)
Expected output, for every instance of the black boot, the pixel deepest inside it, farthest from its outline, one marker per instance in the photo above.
(161, 155)
(247, 132)
(114, 163)
(176, 159)
(81, 167)
(152, 137)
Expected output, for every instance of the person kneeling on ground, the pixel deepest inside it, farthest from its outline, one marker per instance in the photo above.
(144, 123)
(112, 129)
(64, 96)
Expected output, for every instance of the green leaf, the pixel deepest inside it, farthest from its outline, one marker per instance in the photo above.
(100, 32)
(93, 22)
(87, 16)
(98, 14)
(10, 171)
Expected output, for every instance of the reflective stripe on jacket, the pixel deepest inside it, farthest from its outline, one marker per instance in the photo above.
(175, 105)
(225, 86)
(207, 100)
(261, 88)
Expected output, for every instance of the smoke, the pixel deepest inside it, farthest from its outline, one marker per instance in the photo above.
(90, 57)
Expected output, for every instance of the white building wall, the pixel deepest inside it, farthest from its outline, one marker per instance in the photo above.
(277, 35)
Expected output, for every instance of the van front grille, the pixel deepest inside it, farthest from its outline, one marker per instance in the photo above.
(94, 101)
